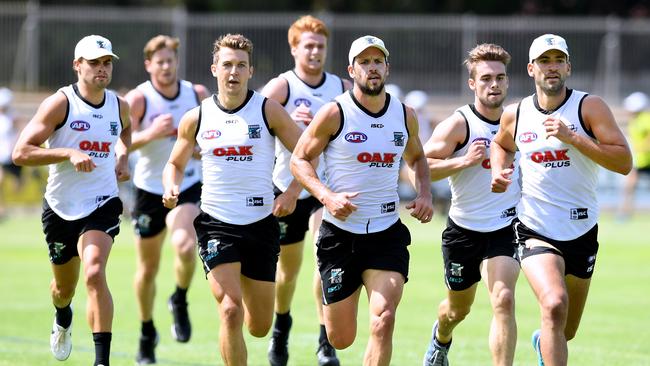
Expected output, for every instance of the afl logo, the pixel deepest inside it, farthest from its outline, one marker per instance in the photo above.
(356, 137)
(300, 101)
(80, 125)
(527, 137)
(210, 134)
(483, 140)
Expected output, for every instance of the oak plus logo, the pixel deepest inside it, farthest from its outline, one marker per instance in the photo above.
(97, 149)
(235, 153)
(377, 159)
(552, 158)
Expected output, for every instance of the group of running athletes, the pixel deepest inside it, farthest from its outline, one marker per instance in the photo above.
(244, 175)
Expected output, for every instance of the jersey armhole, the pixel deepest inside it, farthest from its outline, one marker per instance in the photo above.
(338, 132)
(266, 121)
(67, 112)
(406, 125)
(198, 122)
(514, 135)
(582, 121)
(286, 100)
(462, 144)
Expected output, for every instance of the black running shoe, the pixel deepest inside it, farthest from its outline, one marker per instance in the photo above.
(181, 328)
(278, 348)
(327, 355)
(146, 352)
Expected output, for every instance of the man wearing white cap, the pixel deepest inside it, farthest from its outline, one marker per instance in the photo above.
(563, 135)
(363, 134)
(87, 131)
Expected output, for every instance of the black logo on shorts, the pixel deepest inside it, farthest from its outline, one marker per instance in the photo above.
(511, 212)
(254, 201)
(254, 132)
(388, 207)
(579, 214)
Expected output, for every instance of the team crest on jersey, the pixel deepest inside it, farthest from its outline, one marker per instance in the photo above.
(114, 128)
(356, 137)
(484, 140)
(398, 138)
(254, 132)
(300, 101)
(527, 137)
(80, 125)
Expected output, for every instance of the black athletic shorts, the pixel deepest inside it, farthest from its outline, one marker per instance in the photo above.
(293, 227)
(343, 256)
(463, 251)
(149, 213)
(255, 245)
(62, 235)
(579, 254)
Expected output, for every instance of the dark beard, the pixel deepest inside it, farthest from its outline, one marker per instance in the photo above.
(371, 91)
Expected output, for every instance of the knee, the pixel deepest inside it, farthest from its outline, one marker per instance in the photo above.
(340, 340)
(383, 324)
(147, 272)
(555, 308)
(62, 291)
(185, 245)
(232, 315)
(458, 314)
(503, 302)
(259, 329)
(94, 276)
(287, 274)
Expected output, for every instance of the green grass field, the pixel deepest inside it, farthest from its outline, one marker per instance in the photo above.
(614, 329)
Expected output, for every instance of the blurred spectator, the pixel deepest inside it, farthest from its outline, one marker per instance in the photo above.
(9, 130)
(394, 90)
(637, 104)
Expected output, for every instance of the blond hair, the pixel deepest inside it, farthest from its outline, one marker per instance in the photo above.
(306, 23)
(159, 42)
(234, 41)
(485, 52)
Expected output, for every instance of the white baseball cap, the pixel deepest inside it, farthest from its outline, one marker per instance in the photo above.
(636, 102)
(547, 42)
(93, 47)
(360, 44)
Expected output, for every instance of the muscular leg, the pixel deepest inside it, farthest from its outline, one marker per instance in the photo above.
(225, 285)
(314, 226)
(64, 282)
(578, 289)
(545, 273)
(341, 320)
(452, 310)
(258, 305)
(287, 275)
(500, 276)
(94, 247)
(384, 289)
(180, 222)
(148, 261)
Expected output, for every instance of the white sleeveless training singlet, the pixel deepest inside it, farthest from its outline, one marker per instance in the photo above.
(94, 130)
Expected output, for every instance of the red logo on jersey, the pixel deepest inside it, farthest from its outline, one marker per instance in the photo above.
(80, 125)
(527, 137)
(487, 165)
(551, 159)
(379, 160)
(99, 146)
(235, 153)
(210, 134)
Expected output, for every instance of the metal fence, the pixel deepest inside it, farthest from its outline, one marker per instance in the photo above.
(608, 55)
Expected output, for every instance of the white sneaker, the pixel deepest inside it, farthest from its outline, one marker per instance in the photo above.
(61, 341)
